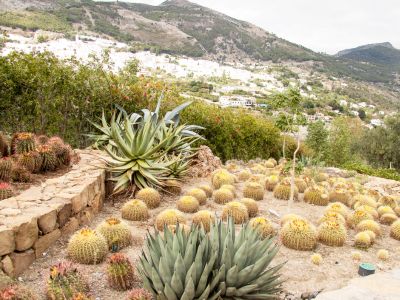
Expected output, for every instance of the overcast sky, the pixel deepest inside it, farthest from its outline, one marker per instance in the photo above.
(322, 25)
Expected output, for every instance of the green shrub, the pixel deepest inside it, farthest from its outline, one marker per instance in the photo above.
(368, 170)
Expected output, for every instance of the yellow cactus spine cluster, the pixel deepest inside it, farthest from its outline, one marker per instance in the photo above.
(369, 225)
(383, 254)
(199, 194)
(340, 195)
(358, 216)
(222, 196)
(299, 235)
(188, 204)
(332, 233)
(316, 259)
(263, 225)
(237, 211)
(251, 205)
(221, 177)
(339, 208)
(362, 240)
(169, 217)
(204, 218)
(282, 191)
(254, 191)
(117, 233)
(87, 246)
(135, 210)
(149, 196)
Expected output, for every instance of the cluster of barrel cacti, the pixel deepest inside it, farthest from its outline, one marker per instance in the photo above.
(26, 154)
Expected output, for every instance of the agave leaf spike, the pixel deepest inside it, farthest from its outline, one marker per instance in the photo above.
(188, 294)
(240, 257)
(231, 277)
(169, 292)
(158, 284)
(177, 284)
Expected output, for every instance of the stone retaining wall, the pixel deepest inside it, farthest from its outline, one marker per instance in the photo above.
(32, 221)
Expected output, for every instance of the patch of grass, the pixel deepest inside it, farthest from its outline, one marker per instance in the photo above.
(33, 20)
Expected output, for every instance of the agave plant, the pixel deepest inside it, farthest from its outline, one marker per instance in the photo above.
(223, 264)
(145, 150)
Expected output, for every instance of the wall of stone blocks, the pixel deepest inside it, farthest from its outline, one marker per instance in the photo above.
(35, 219)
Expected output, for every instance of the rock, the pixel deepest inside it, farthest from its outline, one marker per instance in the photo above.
(48, 222)
(10, 211)
(382, 286)
(86, 216)
(7, 266)
(26, 235)
(21, 261)
(44, 242)
(4, 280)
(64, 214)
(97, 203)
(7, 240)
(71, 226)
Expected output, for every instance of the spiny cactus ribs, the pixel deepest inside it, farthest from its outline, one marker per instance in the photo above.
(254, 191)
(199, 194)
(299, 235)
(87, 246)
(188, 204)
(120, 272)
(4, 148)
(149, 196)
(117, 233)
(169, 217)
(5, 168)
(135, 210)
(204, 218)
(262, 225)
(49, 159)
(332, 233)
(5, 190)
(237, 211)
(65, 282)
(222, 196)
(23, 142)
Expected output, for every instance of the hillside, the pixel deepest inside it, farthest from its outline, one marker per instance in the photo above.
(182, 28)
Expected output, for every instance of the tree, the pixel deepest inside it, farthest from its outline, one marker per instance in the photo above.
(290, 104)
(317, 139)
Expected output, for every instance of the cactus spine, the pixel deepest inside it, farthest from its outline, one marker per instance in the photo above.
(49, 159)
(87, 247)
(223, 196)
(204, 218)
(253, 190)
(23, 142)
(120, 272)
(5, 168)
(207, 189)
(316, 195)
(299, 235)
(149, 196)
(65, 282)
(395, 230)
(237, 211)
(388, 219)
(169, 217)
(251, 205)
(117, 233)
(188, 204)
(369, 225)
(135, 210)
(362, 240)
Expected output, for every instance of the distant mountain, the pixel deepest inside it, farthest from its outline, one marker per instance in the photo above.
(381, 54)
(185, 28)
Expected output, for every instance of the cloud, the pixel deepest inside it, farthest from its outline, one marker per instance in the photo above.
(324, 26)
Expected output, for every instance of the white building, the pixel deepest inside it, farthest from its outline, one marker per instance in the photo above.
(376, 122)
(237, 101)
(343, 102)
(362, 104)
(354, 106)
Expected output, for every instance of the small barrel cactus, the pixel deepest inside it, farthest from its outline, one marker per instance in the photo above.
(221, 177)
(65, 282)
(360, 199)
(263, 226)
(149, 196)
(395, 230)
(173, 186)
(27, 161)
(371, 234)
(388, 219)
(139, 294)
(332, 233)
(61, 150)
(117, 233)
(169, 217)
(253, 190)
(188, 204)
(222, 196)
(49, 159)
(230, 187)
(5, 168)
(300, 184)
(42, 139)
(4, 148)
(16, 292)
(237, 211)
(289, 217)
(369, 209)
(5, 190)
(340, 195)
(207, 189)
(316, 259)
(244, 175)
(383, 254)
(299, 235)
(358, 216)
(369, 225)
(282, 191)
(332, 215)
(23, 142)
(120, 272)
(271, 182)
(199, 194)
(20, 174)
(362, 240)
(135, 210)
(385, 209)
(355, 255)
(316, 195)
(389, 201)
(204, 218)
(339, 208)
(251, 205)
(38, 161)
(87, 247)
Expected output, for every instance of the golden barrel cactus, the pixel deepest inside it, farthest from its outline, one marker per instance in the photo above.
(135, 210)
(169, 217)
(332, 233)
(282, 191)
(204, 218)
(188, 204)
(358, 216)
(221, 177)
(262, 225)
(199, 194)
(330, 215)
(339, 208)
(238, 211)
(395, 230)
(173, 187)
(117, 233)
(222, 196)
(389, 201)
(362, 240)
(271, 182)
(150, 196)
(369, 225)
(299, 235)
(316, 195)
(253, 190)
(87, 246)
(207, 189)
(251, 205)
(388, 219)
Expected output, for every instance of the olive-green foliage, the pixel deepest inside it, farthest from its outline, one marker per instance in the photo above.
(368, 170)
(232, 133)
(317, 139)
(222, 264)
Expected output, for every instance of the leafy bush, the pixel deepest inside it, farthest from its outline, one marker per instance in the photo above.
(368, 170)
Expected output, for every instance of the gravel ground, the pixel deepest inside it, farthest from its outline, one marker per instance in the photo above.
(300, 275)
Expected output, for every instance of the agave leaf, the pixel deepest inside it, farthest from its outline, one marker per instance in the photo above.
(188, 294)
(169, 292)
